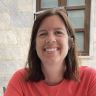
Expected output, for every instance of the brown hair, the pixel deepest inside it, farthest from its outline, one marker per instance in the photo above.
(34, 63)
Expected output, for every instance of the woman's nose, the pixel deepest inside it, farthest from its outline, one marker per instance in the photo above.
(50, 39)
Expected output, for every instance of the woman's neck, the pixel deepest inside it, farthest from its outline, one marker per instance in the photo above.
(53, 74)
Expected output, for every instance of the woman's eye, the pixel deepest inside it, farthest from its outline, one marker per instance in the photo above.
(42, 34)
(59, 33)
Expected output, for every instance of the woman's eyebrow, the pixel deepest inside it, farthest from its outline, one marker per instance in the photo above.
(59, 28)
(42, 30)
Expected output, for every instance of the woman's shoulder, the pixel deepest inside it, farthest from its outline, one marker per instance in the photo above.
(22, 71)
(87, 69)
(19, 75)
(87, 72)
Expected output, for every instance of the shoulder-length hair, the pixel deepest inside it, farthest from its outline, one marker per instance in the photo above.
(34, 63)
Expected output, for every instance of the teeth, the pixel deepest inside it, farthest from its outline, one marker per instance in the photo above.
(50, 49)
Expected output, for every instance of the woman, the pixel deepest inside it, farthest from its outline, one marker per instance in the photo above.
(52, 62)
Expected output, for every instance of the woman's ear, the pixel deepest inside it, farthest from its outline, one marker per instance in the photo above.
(71, 42)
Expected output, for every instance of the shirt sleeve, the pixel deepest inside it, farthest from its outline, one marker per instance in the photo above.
(92, 84)
(14, 87)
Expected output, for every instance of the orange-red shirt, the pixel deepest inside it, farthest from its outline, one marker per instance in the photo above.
(86, 87)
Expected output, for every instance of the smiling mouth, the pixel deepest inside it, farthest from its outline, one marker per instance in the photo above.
(50, 50)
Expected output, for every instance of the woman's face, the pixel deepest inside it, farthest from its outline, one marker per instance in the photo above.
(52, 40)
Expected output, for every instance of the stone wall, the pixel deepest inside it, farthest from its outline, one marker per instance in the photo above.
(16, 19)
